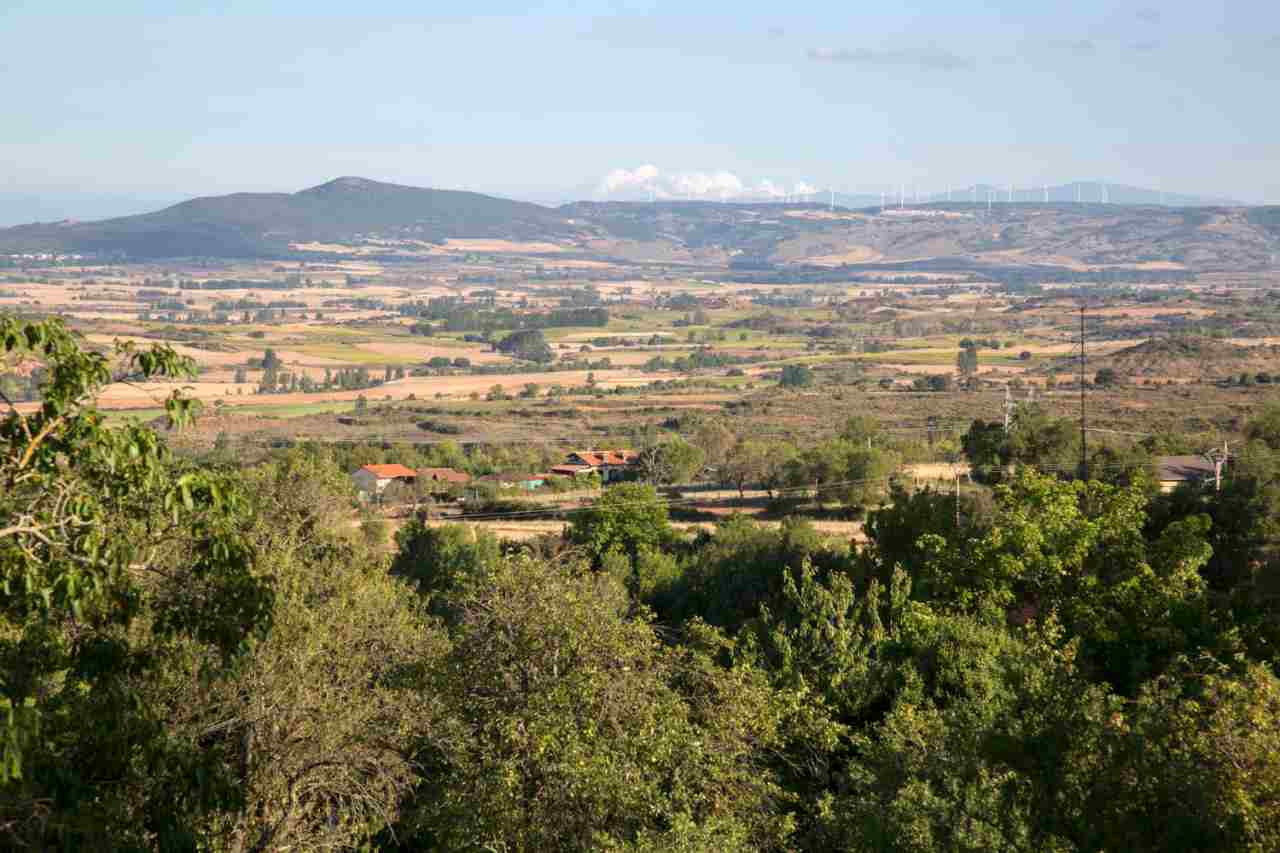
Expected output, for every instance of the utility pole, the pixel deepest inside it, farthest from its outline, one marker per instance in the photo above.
(1084, 435)
(1219, 461)
(1008, 408)
(957, 473)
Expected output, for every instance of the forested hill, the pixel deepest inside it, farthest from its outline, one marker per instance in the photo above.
(347, 214)
(254, 224)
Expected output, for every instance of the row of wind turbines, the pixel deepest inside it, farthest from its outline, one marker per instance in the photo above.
(1083, 192)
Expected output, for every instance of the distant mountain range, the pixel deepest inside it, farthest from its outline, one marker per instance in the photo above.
(1078, 191)
(1132, 229)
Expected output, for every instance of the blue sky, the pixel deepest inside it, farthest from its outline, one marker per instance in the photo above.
(167, 99)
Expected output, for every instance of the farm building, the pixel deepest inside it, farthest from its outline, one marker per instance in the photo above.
(373, 479)
(444, 476)
(611, 465)
(1173, 471)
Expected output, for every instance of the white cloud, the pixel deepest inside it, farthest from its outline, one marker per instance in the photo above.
(640, 178)
(719, 185)
(768, 189)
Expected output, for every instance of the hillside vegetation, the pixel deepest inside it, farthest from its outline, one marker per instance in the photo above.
(199, 654)
(1191, 356)
(355, 212)
(253, 224)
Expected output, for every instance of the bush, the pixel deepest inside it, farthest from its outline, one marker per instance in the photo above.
(796, 376)
(440, 427)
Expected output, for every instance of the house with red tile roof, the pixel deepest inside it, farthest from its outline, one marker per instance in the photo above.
(444, 476)
(611, 465)
(373, 479)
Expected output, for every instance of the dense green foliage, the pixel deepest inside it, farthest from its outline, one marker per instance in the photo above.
(205, 658)
(529, 345)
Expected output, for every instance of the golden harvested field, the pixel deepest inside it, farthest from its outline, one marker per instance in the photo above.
(151, 394)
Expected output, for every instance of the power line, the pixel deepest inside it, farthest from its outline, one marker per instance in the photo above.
(817, 490)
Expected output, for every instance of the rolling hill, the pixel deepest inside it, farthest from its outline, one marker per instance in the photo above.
(357, 211)
(1187, 355)
(256, 224)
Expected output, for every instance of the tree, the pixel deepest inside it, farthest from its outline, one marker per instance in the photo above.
(944, 737)
(1265, 426)
(529, 391)
(444, 559)
(1036, 438)
(938, 382)
(326, 710)
(671, 461)
(577, 729)
(894, 532)
(271, 361)
(795, 376)
(241, 375)
(861, 430)
(1105, 377)
(496, 393)
(967, 361)
(626, 518)
(112, 553)
(717, 441)
(746, 463)
(985, 447)
(270, 378)
(361, 405)
(527, 344)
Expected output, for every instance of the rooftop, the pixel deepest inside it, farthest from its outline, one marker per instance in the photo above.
(1183, 468)
(392, 471)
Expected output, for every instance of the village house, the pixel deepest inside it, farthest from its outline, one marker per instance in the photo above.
(1173, 471)
(374, 479)
(611, 465)
(444, 476)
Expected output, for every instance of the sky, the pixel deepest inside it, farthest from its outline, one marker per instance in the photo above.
(148, 101)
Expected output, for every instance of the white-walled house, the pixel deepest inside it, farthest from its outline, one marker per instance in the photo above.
(373, 479)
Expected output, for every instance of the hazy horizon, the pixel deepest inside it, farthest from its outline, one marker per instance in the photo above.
(591, 100)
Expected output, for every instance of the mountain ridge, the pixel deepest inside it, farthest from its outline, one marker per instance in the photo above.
(351, 210)
(251, 224)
